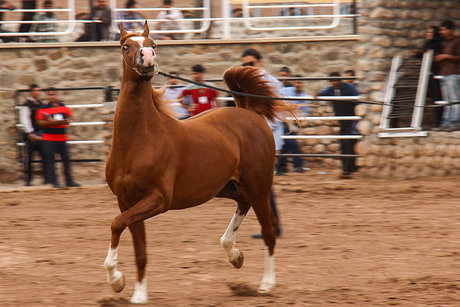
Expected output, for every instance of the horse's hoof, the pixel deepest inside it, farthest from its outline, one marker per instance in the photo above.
(238, 262)
(265, 287)
(119, 285)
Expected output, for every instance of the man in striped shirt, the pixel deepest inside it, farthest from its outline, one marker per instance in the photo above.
(54, 117)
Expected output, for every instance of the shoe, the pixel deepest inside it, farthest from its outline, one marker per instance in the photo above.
(57, 185)
(280, 173)
(440, 128)
(345, 175)
(73, 185)
(259, 236)
(28, 184)
(299, 170)
(451, 128)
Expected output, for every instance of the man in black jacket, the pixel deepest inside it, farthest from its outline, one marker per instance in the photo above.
(347, 127)
(32, 130)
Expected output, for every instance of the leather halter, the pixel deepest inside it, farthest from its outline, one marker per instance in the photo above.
(155, 70)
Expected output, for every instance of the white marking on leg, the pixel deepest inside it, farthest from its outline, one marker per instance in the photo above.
(268, 280)
(110, 263)
(228, 239)
(140, 292)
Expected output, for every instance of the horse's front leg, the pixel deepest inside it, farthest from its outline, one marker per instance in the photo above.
(133, 218)
(140, 288)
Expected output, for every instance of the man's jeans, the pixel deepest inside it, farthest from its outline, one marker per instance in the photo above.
(450, 87)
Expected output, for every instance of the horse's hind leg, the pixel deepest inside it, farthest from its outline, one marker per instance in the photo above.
(235, 256)
(261, 206)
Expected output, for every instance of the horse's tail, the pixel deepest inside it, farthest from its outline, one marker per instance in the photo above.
(251, 80)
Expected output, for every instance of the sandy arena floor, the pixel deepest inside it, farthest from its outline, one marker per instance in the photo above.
(361, 242)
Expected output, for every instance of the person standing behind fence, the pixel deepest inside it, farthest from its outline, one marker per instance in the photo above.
(433, 42)
(45, 27)
(27, 16)
(343, 108)
(5, 5)
(54, 117)
(102, 13)
(198, 98)
(448, 61)
(291, 146)
(173, 22)
(252, 57)
(32, 131)
(172, 95)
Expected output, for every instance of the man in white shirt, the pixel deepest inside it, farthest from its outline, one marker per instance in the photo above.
(173, 22)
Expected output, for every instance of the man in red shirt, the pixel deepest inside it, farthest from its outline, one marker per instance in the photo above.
(54, 117)
(195, 98)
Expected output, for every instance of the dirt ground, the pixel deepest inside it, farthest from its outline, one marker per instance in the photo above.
(362, 242)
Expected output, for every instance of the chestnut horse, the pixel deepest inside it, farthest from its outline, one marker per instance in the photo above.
(158, 163)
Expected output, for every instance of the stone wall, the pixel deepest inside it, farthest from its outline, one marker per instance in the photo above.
(63, 67)
(388, 28)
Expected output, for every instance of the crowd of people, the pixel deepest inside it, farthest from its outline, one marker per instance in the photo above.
(193, 99)
(170, 22)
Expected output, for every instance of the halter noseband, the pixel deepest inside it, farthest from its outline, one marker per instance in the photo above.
(155, 70)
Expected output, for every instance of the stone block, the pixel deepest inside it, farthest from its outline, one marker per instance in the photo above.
(383, 13)
(41, 64)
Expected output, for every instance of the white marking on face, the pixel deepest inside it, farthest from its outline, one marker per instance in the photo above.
(139, 40)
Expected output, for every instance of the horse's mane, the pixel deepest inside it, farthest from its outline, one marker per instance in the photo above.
(163, 105)
(251, 80)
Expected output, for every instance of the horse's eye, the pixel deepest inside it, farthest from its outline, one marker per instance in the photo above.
(125, 47)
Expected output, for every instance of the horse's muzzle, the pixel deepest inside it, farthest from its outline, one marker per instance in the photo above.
(146, 61)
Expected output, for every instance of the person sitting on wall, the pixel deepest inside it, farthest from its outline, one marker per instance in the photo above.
(130, 15)
(45, 27)
(173, 22)
(5, 5)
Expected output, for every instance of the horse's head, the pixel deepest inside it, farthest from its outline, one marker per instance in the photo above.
(139, 51)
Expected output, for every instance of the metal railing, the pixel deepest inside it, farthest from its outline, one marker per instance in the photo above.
(226, 20)
(20, 144)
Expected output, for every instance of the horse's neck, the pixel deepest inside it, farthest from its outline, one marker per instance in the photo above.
(136, 111)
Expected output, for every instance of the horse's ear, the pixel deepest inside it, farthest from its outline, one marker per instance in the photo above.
(146, 30)
(123, 32)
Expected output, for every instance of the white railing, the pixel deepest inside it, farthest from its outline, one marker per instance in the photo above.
(225, 21)
(70, 27)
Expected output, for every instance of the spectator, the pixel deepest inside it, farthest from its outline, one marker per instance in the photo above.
(130, 15)
(198, 98)
(172, 94)
(433, 41)
(343, 108)
(54, 118)
(45, 27)
(27, 16)
(173, 22)
(5, 5)
(285, 72)
(351, 73)
(32, 131)
(99, 30)
(252, 57)
(448, 62)
(291, 145)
